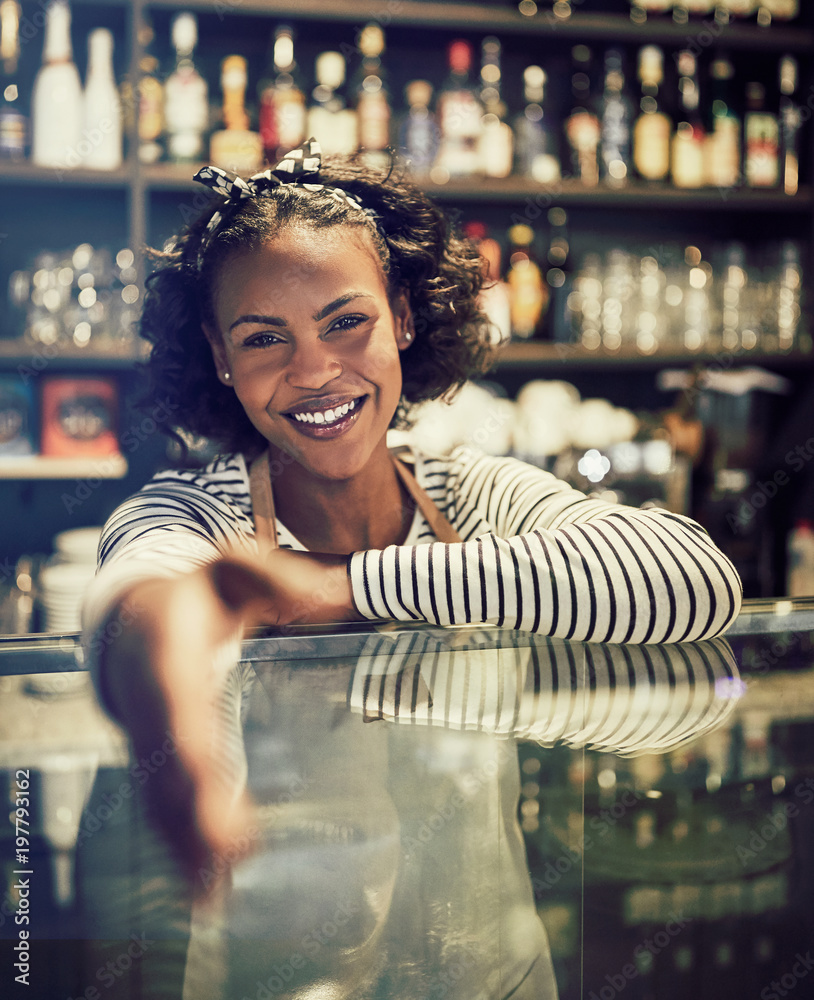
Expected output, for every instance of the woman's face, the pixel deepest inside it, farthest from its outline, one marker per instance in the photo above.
(311, 340)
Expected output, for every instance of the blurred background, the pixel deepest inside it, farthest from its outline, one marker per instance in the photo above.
(636, 174)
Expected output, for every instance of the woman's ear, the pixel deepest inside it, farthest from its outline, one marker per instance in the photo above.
(218, 354)
(403, 319)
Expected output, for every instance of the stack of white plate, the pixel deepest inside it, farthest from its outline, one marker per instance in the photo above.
(64, 580)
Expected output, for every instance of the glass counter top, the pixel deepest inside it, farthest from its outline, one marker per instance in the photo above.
(463, 813)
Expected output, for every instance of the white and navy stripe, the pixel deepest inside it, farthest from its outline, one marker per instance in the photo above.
(541, 557)
(536, 555)
(627, 699)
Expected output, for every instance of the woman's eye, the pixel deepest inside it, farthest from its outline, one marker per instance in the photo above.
(348, 322)
(261, 340)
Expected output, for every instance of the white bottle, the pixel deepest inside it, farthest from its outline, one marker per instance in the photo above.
(801, 560)
(332, 123)
(186, 102)
(101, 145)
(494, 297)
(56, 103)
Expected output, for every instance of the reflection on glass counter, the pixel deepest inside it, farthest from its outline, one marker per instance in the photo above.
(463, 813)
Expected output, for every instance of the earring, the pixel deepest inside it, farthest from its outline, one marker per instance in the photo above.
(408, 336)
(226, 376)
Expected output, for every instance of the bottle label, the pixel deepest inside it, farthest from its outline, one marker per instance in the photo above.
(651, 149)
(150, 109)
(783, 10)
(282, 120)
(459, 115)
(528, 296)
(459, 118)
(337, 130)
(688, 158)
(535, 153)
(792, 121)
(186, 108)
(374, 121)
(583, 131)
(722, 153)
(290, 108)
(420, 140)
(57, 116)
(12, 135)
(762, 150)
(496, 148)
(615, 130)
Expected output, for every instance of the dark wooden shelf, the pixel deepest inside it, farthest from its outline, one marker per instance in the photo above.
(178, 177)
(25, 172)
(16, 353)
(540, 355)
(47, 467)
(634, 195)
(517, 190)
(477, 17)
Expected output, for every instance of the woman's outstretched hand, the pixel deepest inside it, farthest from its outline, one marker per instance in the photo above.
(161, 681)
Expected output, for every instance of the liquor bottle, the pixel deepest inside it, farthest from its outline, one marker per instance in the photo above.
(235, 147)
(722, 145)
(586, 303)
(281, 99)
(372, 99)
(789, 289)
(149, 102)
(800, 548)
(791, 120)
(761, 140)
(56, 103)
(687, 156)
(103, 111)
(558, 276)
(186, 108)
(536, 147)
(582, 127)
(528, 291)
(779, 10)
(459, 115)
(697, 302)
(419, 131)
(616, 119)
(735, 296)
(651, 316)
(618, 305)
(496, 141)
(740, 8)
(494, 298)
(653, 6)
(653, 128)
(13, 123)
(639, 9)
(330, 120)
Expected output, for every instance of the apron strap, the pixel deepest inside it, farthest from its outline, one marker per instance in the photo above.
(265, 525)
(441, 527)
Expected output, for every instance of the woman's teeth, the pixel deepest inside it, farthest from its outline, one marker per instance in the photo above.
(326, 416)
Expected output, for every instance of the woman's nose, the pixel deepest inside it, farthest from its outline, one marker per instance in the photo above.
(313, 365)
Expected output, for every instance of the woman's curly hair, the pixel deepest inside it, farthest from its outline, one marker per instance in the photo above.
(419, 250)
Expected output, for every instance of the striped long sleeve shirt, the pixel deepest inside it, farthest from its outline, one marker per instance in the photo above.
(535, 554)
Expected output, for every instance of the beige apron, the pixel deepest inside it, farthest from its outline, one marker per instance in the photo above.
(265, 525)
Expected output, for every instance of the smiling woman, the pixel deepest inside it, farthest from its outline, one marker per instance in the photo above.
(295, 322)
(311, 338)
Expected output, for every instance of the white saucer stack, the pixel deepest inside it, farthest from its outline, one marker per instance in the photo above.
(64, 580)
